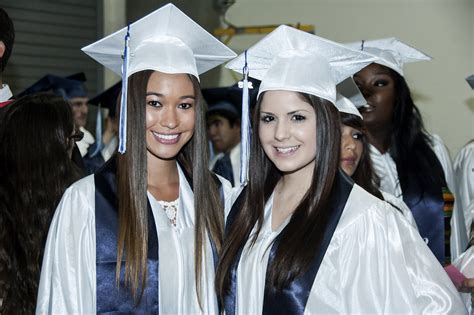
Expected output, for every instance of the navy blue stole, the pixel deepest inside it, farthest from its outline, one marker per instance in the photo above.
(427, 207)
(110, 299)
(293, 298)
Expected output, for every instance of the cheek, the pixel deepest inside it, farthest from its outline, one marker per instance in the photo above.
(188, 120)
(150, 118)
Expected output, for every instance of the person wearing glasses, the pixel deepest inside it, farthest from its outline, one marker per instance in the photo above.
(37, 136)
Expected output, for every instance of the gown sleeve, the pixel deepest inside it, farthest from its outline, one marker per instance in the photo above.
(68, 280)
(386, 268)
(464, 172)
(460, 218)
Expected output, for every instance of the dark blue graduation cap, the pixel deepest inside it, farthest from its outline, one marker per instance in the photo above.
(108, 98)
(470, 81)
(68, 87)
(229, 99)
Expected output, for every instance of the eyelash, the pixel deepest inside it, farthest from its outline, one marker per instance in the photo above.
(267, 119)
(155, 103)
(298, 117)
(357, 135)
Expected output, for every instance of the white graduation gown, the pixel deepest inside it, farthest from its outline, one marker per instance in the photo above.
(386, 169)
(464, 174)
(376, 263)
(234, 160)
(68, 275)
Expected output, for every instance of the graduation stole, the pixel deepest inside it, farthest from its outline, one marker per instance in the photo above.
(432, 210)
(110, 299)
(293, 298)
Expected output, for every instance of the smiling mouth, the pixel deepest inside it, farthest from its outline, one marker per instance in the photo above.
(286, 150)
(166, 138)
(367, 108)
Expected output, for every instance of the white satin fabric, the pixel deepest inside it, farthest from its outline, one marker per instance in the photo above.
(465, 263)
(68, 276)
(376, 263)
(110, 148)
(86, 141)
(401, 206)
(464, 172)
(386, 169)
(5, 93)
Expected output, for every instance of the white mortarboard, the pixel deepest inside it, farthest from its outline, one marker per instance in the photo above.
(470, 81)
(390, 52)
(348, 88)
(344, 105)
(165, 40)
(293, 60)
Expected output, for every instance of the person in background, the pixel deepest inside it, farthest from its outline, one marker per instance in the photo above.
(7, 38)
(73, 90)
(107, 140)
(411, 164)
(223, 125)
(37, 136)
(355, 157)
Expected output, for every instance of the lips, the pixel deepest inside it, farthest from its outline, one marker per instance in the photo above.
(168, 138)
(349, 160)
(285, 151)
(367, 108)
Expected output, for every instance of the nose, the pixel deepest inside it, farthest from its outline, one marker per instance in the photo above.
(169, 119)
(348, 143)
(282, 131)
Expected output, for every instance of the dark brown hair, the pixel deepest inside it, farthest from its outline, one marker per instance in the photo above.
(35, 171)
(364, 176)
(132, 188)
(302, 236)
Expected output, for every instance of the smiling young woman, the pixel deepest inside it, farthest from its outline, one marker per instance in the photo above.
(304, 238)
(143, 233)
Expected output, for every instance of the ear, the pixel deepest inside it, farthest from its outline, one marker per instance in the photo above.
(2, 49)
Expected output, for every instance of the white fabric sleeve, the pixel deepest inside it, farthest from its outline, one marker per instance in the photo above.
(386, 268)
(68, 279)
(459, 220)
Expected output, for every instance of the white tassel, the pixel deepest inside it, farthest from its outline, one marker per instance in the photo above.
(245, 130)
(122, 147)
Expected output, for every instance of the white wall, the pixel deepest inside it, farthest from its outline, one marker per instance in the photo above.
(443, 29)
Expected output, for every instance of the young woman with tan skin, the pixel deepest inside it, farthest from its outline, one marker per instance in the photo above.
(303, 238)
(411, 164)
(142, 235)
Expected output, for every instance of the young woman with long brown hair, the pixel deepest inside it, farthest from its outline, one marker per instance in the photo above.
(304, 238)
(143, 233)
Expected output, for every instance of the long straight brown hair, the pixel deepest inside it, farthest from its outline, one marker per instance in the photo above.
(302, 236)
(132, 189)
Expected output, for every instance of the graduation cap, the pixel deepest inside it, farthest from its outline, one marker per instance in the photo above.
(344, 105)
(229, 99)
(293, 60)
(470, 81)
(64, 87)
(107, 99)
(166, 40)
(390, 52)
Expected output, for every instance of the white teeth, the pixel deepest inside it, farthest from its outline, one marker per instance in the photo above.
(166, 137)
(287, 150)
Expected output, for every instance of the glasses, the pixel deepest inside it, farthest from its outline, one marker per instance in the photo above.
(77, 136)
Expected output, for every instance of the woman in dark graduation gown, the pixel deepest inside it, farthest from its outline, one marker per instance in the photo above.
(304, 238)
(142, 234)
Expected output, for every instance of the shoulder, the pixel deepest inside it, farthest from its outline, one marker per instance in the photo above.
(78, 201)
(367, 212)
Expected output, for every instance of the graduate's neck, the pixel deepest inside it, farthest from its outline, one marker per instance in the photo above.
(379, 138)
(162, 178)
